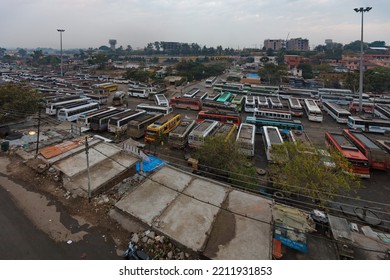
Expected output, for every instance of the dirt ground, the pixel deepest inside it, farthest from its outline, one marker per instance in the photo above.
(37, 181)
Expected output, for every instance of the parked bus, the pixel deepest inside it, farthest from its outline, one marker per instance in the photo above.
(220, 116)
(260, 89)
(302, 140)
(281, 124)
(161, 100)
(191, 93)
(271, 138)
(274, 102)
(239, 100)
(210, 82)
(136, 128)
(377, 157)
(100, 122)
(382, 111)
(262, 102)
(337, 99)
(119, 98)
(336, 112)
(71, 114)
(246, 139)
(295, 106)
(201, 95)
(185, 103)
(83, 120)
(215, 105)
(142, 92)
(200, 132)
(272, 114)
(178, 137)
(51, 108)
(250, 103)
(335, 91)
(227, 131)
(359, 162)
(212, 96)
(369, 125)
(119, 123)
(312, 110)
(99, 98)
(106, 87)
(367, 107)
(160, 128)
(225, 97)
(154, 108)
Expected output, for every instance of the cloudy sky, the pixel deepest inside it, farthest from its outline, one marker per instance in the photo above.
(229, 23)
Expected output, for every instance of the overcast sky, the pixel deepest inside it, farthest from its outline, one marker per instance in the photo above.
(229, 23)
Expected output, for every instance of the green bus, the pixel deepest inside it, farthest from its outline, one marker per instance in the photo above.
(225, 97)
(239, 100)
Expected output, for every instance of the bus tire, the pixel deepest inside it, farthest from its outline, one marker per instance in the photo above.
(387, 133)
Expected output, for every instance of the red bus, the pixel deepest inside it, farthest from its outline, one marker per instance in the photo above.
(185, 103)
(359, 162)
(221, 116)
(366, 107)
(377, 157)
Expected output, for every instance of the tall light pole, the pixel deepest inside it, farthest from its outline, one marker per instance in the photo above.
(361, 10)
(61, 31)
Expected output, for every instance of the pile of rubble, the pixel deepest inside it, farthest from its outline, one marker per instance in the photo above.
(159, 247)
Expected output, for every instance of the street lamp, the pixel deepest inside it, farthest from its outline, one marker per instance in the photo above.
(61, 31)
(361, 10)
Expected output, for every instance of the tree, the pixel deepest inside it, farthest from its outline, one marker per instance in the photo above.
(224, 159)
(18, 101)
(304, 173)
(355, 46)
(307, 71)
(272, 73)
(378, 44)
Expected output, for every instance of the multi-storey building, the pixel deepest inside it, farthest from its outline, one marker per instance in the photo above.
(297, 44)
(275, 45)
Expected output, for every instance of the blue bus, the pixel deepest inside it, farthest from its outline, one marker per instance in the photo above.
(285, 125)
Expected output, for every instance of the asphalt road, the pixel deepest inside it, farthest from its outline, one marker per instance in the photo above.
(21, 240)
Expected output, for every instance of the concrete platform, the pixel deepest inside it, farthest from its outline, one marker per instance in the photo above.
(203, 215)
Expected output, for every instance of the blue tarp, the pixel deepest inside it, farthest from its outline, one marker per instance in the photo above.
(151, 164)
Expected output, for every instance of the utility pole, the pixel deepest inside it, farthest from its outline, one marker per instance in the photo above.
(89, 177)
(362, 11)
(61, 31)
(39, 125)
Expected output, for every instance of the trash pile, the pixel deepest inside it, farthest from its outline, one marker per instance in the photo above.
(158, 247)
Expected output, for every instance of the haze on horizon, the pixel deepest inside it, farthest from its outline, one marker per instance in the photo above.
(229, 23)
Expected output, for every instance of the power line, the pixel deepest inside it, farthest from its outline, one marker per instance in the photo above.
(238, 214)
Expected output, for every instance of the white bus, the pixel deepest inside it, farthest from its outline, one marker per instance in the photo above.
(271, 137)
(83, 120)
(210, 82)
(312, 110)
(250, 104)
(99, 98)
(178, 137)
(51, 108)
(192, 92)
(203, 130)
(335, 91)
(154, 108)
(119, 98)
(272, 114)
(274, 102)
(142, 92)
(262, 102)
(369, 125)
(295, 106)
(161, 100)
(118, 123)
(246, 139)
(71, 114)
(339, 114)
(382, 111)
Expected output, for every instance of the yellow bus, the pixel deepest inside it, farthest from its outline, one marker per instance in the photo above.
(106, 87)
(227, 131)
(160, 128)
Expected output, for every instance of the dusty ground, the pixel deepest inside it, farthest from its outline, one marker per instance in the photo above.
(43, 199)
